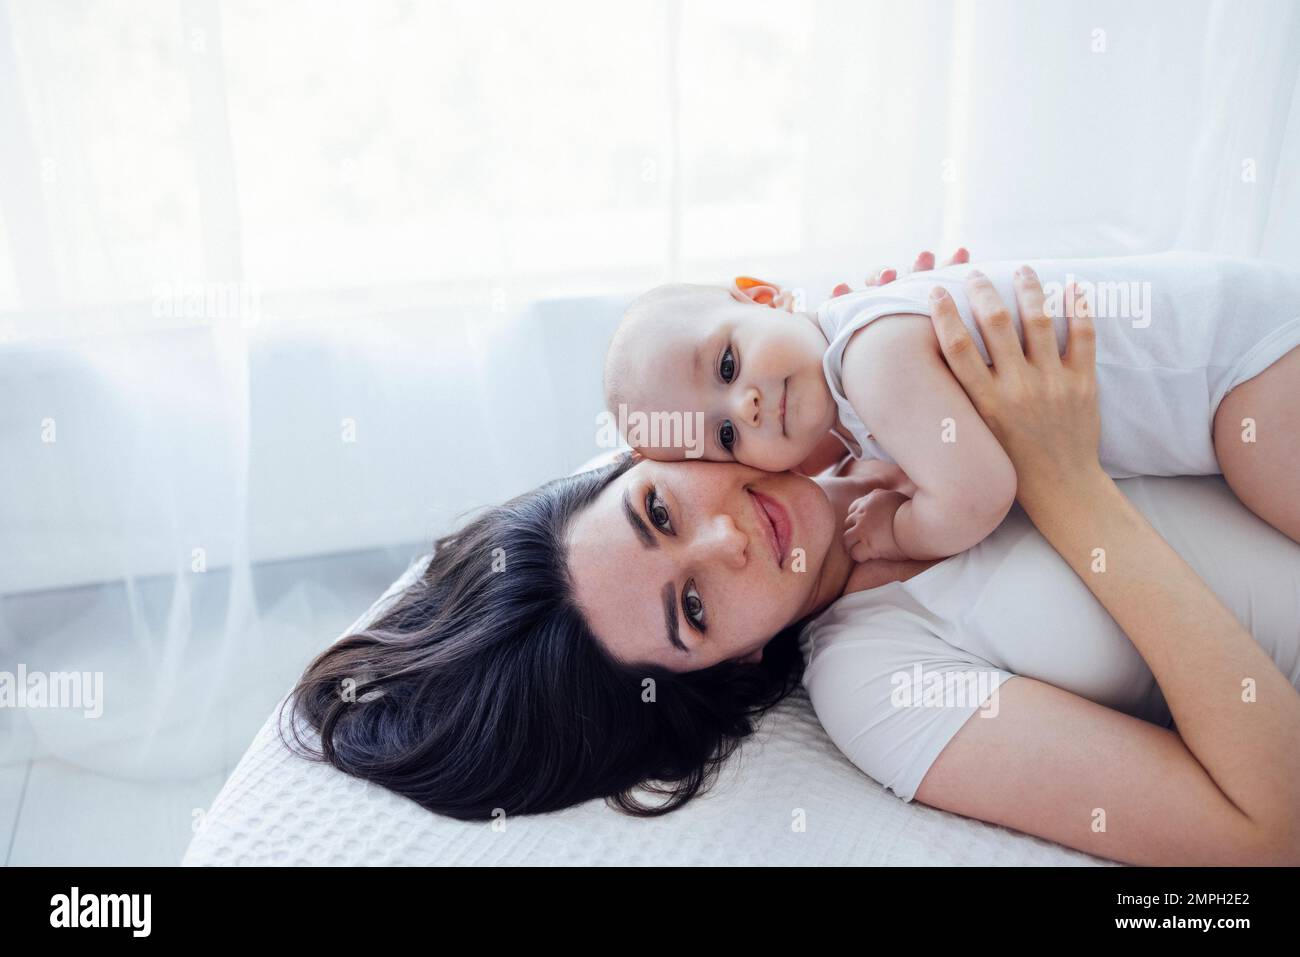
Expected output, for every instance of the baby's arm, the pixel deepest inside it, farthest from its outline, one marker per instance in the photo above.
(898, 382)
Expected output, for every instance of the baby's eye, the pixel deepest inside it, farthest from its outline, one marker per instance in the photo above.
(693, 605)
(658, 512)
(727, 435)
(727, 365)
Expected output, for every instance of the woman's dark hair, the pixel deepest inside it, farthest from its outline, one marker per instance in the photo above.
(483, 690)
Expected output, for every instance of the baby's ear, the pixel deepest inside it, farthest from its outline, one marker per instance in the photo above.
(762, 293)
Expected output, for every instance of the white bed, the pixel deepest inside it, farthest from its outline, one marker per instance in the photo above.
(280, 809)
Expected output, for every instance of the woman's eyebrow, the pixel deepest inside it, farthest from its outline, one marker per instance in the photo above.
(669, 593)
(642, 531)
(670, 616)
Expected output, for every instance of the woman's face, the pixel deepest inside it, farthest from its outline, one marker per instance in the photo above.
(687, 564)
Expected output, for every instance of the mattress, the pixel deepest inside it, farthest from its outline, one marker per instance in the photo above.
(788, 797)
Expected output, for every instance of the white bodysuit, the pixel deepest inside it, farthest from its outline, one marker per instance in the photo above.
(1012, 606)
(1175, 332)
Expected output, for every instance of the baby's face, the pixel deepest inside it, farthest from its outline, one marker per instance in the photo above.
(752, 373)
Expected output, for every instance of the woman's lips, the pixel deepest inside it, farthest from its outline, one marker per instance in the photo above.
(776, 522)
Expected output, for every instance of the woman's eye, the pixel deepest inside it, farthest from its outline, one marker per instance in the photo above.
(693, 605)
(727, 366)
(727, 435)
(658, 512)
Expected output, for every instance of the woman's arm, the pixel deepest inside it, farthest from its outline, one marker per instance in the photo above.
(1226, 787)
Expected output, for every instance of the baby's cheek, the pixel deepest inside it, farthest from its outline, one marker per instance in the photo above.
(774, 456)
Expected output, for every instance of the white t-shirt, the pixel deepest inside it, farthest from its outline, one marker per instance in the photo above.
(1011, 606)
(1175, 332)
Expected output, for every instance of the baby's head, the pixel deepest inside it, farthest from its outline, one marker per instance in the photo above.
(735, 369)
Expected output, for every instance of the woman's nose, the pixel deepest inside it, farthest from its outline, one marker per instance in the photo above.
(721, 540)
(747, 407)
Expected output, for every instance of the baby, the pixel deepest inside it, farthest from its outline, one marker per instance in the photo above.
(1177, 334)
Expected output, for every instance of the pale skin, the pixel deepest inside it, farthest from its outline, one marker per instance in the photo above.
(1222, 789)
(757, 384)
(668, 539)
(1263, 472)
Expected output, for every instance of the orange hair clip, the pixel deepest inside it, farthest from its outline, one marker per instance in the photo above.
(749, 289)
(763, 296)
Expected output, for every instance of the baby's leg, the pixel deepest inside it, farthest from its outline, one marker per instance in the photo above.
(1257, 442)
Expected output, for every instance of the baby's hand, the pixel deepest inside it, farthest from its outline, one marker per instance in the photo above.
(869, 528)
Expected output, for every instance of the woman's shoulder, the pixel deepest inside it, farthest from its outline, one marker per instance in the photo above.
(886, 622)
(888, 689)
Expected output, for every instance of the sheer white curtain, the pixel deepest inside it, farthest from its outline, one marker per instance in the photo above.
(282, 280)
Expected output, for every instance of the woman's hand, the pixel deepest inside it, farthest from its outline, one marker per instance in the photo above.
(1209, 803)
(924, 263)
(1040, 406)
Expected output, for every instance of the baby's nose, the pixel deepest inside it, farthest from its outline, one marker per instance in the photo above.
(747, 408)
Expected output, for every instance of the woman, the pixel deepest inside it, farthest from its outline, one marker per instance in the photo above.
(612, 628)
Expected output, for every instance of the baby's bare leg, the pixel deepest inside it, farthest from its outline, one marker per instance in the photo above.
(1257, 441)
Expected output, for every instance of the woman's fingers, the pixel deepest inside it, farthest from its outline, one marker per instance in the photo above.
(1036, 320)
(957, 345)
(995, 323)
(1081, 344)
